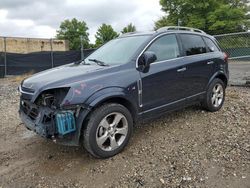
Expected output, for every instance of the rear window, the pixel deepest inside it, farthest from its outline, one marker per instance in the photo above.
(193, 44)
(211, 45)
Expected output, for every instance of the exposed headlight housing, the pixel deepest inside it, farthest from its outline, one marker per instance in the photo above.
(52, 98)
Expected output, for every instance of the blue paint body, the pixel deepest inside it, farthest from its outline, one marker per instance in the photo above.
(147, 94)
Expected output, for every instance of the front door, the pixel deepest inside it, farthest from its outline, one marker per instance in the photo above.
(163, 83)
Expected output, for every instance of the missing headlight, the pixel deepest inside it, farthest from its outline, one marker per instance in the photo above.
(48, 100)
(52, 98)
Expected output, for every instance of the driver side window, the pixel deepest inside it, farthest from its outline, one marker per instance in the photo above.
(165, 47)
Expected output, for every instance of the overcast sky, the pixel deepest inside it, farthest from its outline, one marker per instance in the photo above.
(30, 18)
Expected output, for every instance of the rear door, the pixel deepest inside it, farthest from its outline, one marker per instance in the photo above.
(198, 63)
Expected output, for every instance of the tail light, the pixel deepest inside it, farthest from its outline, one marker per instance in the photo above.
(226, 56)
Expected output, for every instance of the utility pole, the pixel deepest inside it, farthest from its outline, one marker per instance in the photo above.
(179, 22)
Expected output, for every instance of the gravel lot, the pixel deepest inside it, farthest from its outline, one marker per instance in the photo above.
(239, 72)
(188, 148)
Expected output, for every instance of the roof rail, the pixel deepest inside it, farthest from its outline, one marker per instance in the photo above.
(128, 33)
(180, 28)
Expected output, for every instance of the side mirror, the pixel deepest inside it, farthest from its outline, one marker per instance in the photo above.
(145, 60)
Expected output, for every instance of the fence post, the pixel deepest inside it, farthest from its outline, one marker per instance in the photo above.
(51, 53)
(5, 57)
(82, 55)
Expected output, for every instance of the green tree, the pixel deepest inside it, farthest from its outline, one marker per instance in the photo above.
(129, 28)
(163, 21)
(104, 34)
(92, 45)
(72, 30)
(212, 16)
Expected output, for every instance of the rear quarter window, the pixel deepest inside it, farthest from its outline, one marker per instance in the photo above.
(212, 47)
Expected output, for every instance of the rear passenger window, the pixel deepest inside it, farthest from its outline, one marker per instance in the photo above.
(193, 44)
(165, 48)
(211, 45)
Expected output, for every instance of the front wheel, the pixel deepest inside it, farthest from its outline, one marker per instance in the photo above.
(215, 96)
(108, 130)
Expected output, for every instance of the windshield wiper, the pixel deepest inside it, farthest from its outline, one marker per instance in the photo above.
(98, 62)
(80, 61)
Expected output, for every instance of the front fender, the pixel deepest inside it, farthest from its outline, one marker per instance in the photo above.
(108, 93)
(97, 98)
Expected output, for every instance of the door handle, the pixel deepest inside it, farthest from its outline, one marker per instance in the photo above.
(182, 69)
(210, 62)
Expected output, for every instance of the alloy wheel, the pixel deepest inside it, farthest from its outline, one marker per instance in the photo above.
(217, 95)
(112, 131)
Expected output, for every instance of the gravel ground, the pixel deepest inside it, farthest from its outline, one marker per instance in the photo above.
(187, 148)
(239, 72)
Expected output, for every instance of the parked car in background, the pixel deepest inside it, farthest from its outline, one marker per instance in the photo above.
(134, 77)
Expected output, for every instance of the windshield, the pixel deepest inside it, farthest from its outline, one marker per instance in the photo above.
(117, 51)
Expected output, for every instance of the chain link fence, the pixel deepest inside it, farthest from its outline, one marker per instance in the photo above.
(22, 55)
(237, 46)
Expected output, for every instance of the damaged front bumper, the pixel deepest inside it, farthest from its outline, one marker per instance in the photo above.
(63, 126)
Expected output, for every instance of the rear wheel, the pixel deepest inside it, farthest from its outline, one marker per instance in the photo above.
(108, 130)
(215, 96)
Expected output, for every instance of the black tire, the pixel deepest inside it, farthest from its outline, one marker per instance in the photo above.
(208, 103)
(92, 129)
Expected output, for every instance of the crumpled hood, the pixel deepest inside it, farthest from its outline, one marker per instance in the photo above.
(62, 75)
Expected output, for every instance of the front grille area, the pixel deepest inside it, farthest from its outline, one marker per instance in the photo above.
(29, 109)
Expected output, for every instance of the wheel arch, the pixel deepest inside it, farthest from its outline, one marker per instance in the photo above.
(223, 78)
(221, 75)
(119, 99)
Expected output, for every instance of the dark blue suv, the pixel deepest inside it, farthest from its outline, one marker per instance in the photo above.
(137, 76)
